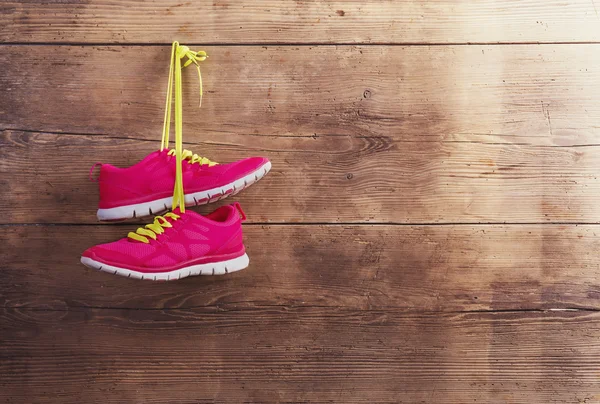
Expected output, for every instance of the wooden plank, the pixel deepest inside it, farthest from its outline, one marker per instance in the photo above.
(271, 21)
(521, 94)
(297, 355)
(415, 268)
(379, 133)
(324, 179)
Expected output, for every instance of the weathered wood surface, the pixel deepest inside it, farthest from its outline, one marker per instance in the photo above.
(440, 302)
(272, 21)
(325, 179)
(406, 268)
(543, 94)
(297, 355)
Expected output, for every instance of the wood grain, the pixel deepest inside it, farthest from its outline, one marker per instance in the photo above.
(511, 94)
(297, 355)
(324, 22)
(406, 268)
(324, 179)
(371, 112)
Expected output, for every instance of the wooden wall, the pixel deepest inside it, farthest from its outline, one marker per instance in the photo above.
(429, 231)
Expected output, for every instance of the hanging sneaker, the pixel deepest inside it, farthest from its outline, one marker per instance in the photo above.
(149, 187)
(146, 188)
(176, 245)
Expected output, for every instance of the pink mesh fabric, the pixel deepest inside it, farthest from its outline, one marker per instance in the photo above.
(192, 238)
(153, 178)
(162, 261)
(178, 250)
(195, 233)
(199, 249)
(129, 248)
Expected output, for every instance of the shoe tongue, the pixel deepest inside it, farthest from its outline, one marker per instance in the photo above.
(177, 211)
(189, 213)
(153, 159)
(162, 153)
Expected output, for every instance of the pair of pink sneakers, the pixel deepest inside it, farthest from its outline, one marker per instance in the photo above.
(179, 243)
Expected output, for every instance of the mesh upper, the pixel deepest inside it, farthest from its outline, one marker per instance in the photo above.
(192, 237)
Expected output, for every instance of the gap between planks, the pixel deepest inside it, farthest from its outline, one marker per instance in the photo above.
(225, 308)
(303, 44)
(338, 224)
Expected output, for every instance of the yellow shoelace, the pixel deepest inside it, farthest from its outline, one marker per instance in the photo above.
(178, 52)
(194, 158)
(152, 230)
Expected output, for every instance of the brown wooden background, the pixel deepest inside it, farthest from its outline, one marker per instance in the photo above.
(429, 231)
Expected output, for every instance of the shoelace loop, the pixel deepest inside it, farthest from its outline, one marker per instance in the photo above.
(152, 230)
(193, 158)
(192, 57)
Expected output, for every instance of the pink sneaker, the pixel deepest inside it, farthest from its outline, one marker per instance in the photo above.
(146, 188)
(176, 245)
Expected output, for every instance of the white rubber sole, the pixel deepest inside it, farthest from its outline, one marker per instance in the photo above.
(199, 198)
(213, 268)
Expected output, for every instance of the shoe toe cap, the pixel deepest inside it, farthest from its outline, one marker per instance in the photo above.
(247, 166)
(112, 254)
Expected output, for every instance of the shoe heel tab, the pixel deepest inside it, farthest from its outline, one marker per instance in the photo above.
(105, 171)
(91, 176)
(237, 206)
